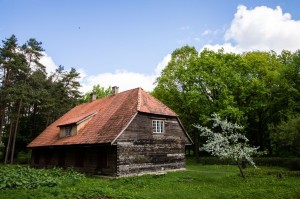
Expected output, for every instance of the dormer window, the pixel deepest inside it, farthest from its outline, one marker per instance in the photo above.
(68, 131)
(158, 126)
(72, 126)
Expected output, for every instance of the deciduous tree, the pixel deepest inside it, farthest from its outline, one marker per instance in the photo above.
(225, 142)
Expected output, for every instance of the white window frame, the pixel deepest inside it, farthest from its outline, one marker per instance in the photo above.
(68, 131)
(158, 126)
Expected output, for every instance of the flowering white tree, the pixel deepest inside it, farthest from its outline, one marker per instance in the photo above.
(226, 142)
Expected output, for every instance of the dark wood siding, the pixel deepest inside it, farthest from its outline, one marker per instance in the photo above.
(80, 157)
(140, 150)
(90, 159)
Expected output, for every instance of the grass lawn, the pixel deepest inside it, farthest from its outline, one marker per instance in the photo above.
(198, 181)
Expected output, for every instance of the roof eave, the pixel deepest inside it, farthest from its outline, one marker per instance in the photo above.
(185, 132)
(168, 115)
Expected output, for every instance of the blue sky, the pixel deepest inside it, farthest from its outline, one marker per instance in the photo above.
(127, 43)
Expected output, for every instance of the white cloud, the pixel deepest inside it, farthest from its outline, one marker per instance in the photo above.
(48, 62)
(206, 32)
(261, 28)
(83, 74)
(124, 79)
(161, 65)
(210, 32)
(227, 47)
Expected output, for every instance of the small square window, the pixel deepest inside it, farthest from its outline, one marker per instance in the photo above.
(158, 126)
(68, 131)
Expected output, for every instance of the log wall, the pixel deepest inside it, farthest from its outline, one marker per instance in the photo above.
(139, 150)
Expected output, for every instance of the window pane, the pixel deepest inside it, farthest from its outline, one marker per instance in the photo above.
(158, 126)
(154, 125)
(68, 131)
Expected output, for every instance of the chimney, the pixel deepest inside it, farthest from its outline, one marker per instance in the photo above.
(93, 97)
(114, 90)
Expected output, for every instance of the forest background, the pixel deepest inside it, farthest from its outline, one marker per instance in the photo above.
(258, 90)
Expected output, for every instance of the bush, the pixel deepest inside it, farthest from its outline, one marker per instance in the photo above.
(215, 160)
(23, 157)
(290, 163)
(13, 177)
(293, 164)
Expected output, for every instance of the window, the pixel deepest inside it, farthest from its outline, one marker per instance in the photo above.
(68, 131)
(158, 126)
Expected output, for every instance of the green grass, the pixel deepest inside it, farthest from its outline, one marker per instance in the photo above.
(198, 181)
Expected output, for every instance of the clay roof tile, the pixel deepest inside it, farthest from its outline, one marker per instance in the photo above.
(113, 115)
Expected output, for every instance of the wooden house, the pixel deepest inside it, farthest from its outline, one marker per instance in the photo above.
(124, 134)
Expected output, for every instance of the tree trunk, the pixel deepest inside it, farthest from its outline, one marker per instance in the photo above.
(196, 150)
(5, 82)
(15, 132)
(8, 144)
(1, 124)
(34, 128)
(241, 170)
(47, 121)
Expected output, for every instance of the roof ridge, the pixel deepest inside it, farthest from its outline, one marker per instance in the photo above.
(158, 101)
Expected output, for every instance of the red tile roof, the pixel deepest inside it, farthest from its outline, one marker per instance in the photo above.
(113, 115)
(77, 120)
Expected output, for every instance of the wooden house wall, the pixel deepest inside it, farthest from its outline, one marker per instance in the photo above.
(90, 159)
(139, 150)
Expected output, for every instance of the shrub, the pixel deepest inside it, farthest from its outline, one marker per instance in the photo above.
(290, 163)
(25, 177)
(23, 157)
(215, 160)
(293, 164)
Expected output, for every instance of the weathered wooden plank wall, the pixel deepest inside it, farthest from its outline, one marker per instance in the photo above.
(140, 150)
(87, 159)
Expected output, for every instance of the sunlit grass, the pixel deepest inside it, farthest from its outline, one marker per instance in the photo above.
(198, 181)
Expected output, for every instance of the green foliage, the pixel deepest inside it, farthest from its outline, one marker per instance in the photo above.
(23, 157)
(18, 177)
(30, 99)
(289, 163)
(258, 90)
(215, 160)
(99, 91)
(199, 181)
(286, 136)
